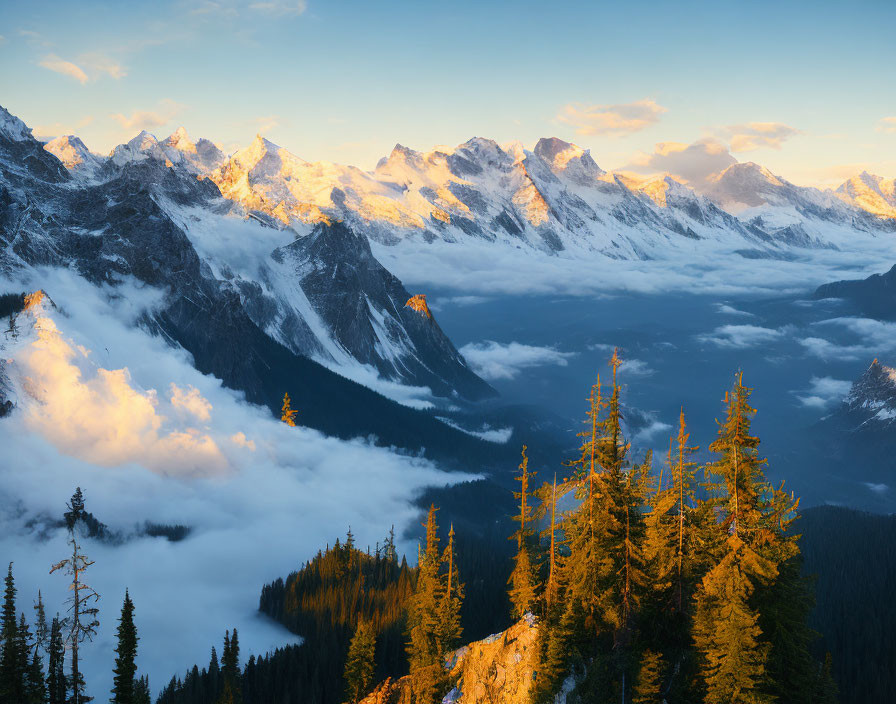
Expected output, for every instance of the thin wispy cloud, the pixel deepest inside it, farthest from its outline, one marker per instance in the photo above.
(887, 124)
(494, 360)
(613, 120)
(751, 136)
(147, 119)
(740, 336)
(89, 67)
(65, 68)
(55, 129)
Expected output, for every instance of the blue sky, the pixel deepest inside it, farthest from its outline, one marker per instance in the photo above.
(804, 88)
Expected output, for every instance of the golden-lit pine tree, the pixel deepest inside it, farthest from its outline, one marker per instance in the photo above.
(648, 688)
(451, 598)
(522, 582)
(753, 544)
(683, 477)
(287, 414)
(426, 632)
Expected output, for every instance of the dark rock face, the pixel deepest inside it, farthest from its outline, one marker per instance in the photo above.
(874, 296)
(363, 305)
(118, 227)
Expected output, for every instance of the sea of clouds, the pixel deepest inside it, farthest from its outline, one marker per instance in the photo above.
(105, 406)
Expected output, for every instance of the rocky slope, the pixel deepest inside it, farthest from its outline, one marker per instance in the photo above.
(496, 670)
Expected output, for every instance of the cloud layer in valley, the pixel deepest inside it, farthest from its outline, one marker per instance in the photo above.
(106, 407)
(494, 360)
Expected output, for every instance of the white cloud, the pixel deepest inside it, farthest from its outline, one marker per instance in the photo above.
(730, 310)
(692, 163)
(877, 488)
(887, 124)
(66, 68)
(55, 129)
(823, 391)
(740, 336)
(289, 489)
(191, 402)
(868, 338)
(611, 119)
(494, 360)
(646, 434)
(751, 136)
(634, 367)
(487, 433)
(147, 119)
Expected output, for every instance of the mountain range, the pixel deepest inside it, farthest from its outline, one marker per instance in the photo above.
(551, 198)
(264, 257)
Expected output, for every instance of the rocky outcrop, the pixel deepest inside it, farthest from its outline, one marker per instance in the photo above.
(496, 670)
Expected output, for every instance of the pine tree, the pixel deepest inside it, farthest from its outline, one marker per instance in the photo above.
(452, 596)
(424, 621)
(727, 631)
(551, 588)
(288, 415)
(125, 662)
(41, 630)
(522, 580)
(648, 689)
(75, 509)
(141, 691)
(82, 622)
(56, 684)
(12, 676)
(30, 665)
(230, 670)
(360, 665)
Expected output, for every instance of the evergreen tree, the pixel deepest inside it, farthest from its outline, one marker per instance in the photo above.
(75, 511)
(125, 662)
(30, 665)
(141, 691)
(425, 649)
(56, 684)
(230, 670)
(752, 522)
(522, 580)
(287, 414)
(41, 629)
(452, 596)
(359, 665)
(12, 675)
(648, 689)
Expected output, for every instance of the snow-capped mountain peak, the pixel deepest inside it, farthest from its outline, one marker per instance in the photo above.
(873, 394)
(562, 156)
(180, 140)
(13, 127)
(73, 153)
(871, 193)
